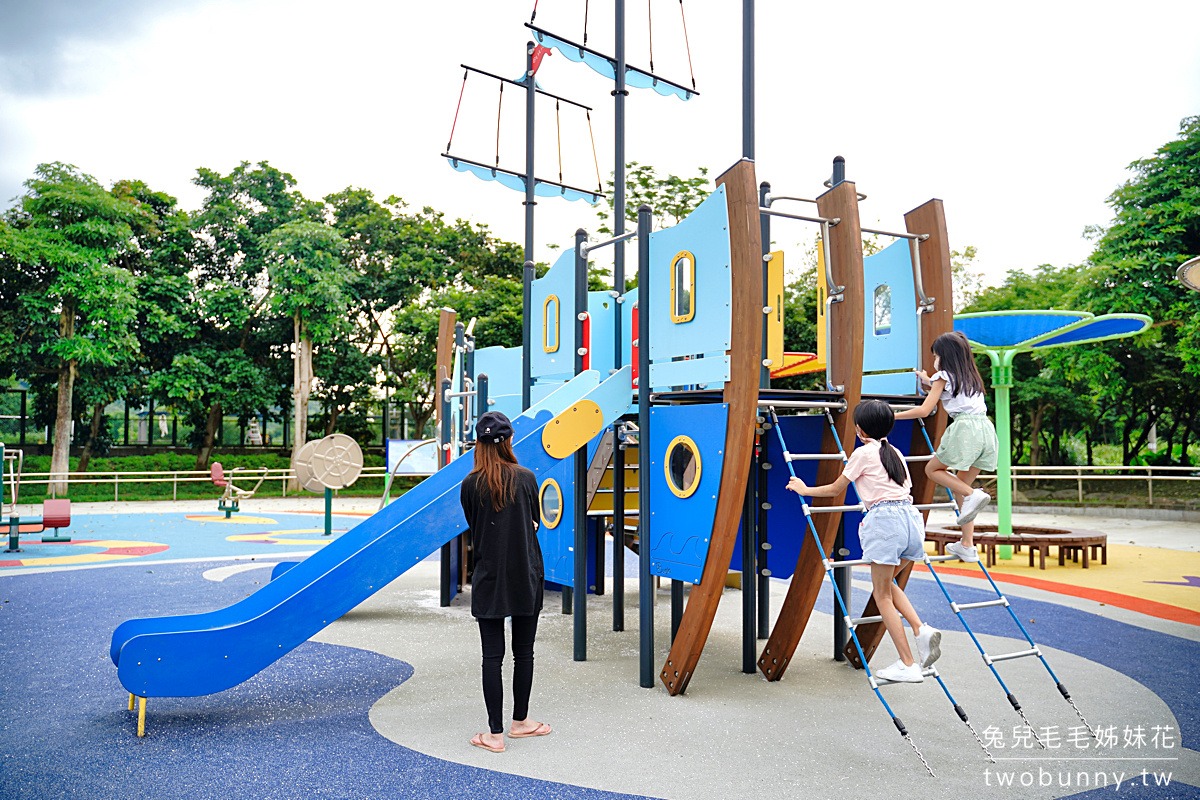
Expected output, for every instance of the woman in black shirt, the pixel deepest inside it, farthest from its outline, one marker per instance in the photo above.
(500, 500)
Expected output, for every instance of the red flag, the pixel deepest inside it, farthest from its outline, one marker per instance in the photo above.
(538, 52)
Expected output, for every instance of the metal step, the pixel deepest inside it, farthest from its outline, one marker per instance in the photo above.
(813, 456)
(1003, 601)
(832, 509)
(1010, 656)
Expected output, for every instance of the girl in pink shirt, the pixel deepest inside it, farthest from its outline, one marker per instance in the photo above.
(892, 530)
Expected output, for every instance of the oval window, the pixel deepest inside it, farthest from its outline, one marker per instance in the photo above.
(683, 285)
(883, 309)
(550, 502)
(550, 324)
(682, 466)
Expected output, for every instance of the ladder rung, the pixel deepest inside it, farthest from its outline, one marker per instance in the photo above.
(927, 672)
(832, 509)
(942, 558)
(862, 562)
(856, 621)
(813, 456)
(1011, 656)
(927, 506)
(1002, 601)
(919, 458)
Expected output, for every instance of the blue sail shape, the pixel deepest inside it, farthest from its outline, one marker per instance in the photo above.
(637, 78)
(517, 182)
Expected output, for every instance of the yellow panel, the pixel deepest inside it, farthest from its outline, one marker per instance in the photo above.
(677, 292)
(692, 480)
(549, 324)
(775, 301)
(572, 429)
(550, 483)
(822, 344)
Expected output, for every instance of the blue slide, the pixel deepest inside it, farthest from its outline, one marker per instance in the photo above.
(199, 654)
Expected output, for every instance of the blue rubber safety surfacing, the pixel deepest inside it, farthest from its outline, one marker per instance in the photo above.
(300, 728)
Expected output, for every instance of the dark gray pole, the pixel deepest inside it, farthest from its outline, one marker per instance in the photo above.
(619, 94)
(841, 576)
(749, 595)
(676, 607)
(530, 97)
(447, 438)
(581, 548)
(526, 336)
(748, 78)
(839, 171)
(618, 552)
(645, 581)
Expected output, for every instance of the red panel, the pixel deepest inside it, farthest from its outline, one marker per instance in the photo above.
(56, 514)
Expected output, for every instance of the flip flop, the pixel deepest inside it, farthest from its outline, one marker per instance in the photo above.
(540, 730)
(479, 742)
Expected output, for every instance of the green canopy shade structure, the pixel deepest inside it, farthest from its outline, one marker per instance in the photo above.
(1002, 335)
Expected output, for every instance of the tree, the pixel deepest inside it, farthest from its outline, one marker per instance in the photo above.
(74, 303)
(308, 285)
(671, 198)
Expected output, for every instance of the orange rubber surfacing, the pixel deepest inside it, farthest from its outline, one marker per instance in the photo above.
(1148, 580)
(113, 550)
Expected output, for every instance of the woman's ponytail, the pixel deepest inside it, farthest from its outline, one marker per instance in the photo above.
(892, 462)
(875, 417)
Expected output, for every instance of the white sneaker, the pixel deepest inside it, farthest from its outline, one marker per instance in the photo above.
(963, 552)
(898, 673)
(975, 502)
(929, 645)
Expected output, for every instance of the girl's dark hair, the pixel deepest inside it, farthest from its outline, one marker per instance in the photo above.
(497, 465)
(875, 417)
(955, 353)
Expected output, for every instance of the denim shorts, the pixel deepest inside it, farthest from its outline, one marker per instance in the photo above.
(892, 530)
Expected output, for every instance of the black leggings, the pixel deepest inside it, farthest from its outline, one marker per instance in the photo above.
(491, 635)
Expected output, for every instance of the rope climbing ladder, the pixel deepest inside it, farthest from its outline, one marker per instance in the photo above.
(853, 622)
(1000, 601)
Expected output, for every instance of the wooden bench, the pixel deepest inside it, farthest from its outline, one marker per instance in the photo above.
(1070, 543)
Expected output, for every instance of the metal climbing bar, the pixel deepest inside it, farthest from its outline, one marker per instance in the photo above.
(1001, 600)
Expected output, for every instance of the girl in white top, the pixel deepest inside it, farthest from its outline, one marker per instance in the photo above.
(969, 444)
(891, 532)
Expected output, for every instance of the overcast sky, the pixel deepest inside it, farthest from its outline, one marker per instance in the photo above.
(1021, 116)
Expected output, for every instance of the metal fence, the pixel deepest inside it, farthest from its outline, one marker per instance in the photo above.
(1175, 485)
(175, 478)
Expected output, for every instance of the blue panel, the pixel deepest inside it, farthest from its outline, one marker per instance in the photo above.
(559, 395)
(1009, 330)
(894, 383)
(1100, 327)
(559, 281)
(694, 371)
(705, 234)
(786, 528)
(602, 308)
(895, 345)
(680, 528)
(558, 543)
(502, 365)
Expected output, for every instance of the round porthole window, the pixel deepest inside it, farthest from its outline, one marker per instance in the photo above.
(551, 502)
(682, 466)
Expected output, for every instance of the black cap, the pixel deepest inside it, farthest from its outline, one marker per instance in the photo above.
(493, 427)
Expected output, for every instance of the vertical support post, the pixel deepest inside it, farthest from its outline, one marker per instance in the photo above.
(328, 511)
(581, 548)
(841, 577)
(530, 205)
(125, 438)
(1002, 381)
(645, 582)
(526, 336)
(748, 79)
(25, 417)
(481, 394)
(618, 551)
(676, 607)
(443, 456)
(749, 587)
(141, 728)
(619, 94)
(150, 425)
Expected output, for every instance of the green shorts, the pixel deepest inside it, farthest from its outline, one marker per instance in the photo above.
(970, 441)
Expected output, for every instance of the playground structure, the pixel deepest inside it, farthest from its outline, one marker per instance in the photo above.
(666, 386)
(56, 514)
